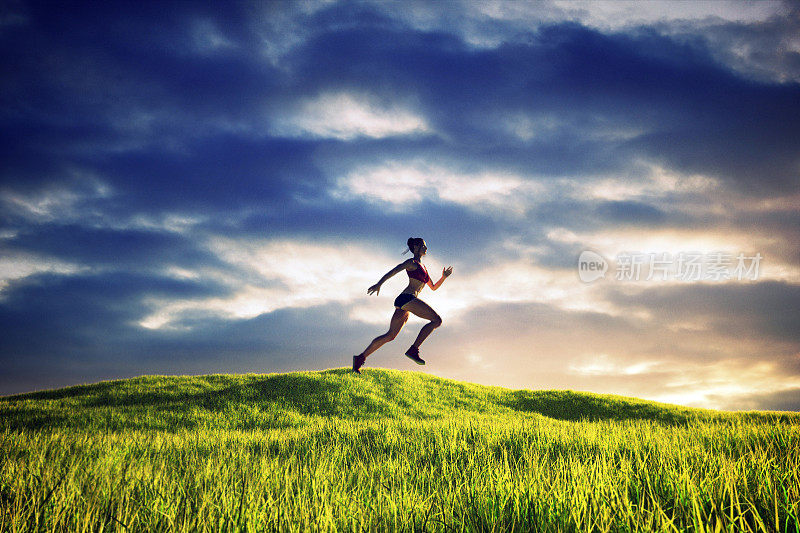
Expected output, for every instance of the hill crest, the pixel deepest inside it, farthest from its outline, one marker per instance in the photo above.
(251, 401)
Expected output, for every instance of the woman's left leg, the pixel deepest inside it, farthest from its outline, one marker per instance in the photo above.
(423, 310)
(399, 318)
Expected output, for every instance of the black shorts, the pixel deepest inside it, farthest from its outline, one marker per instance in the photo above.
(403, 299)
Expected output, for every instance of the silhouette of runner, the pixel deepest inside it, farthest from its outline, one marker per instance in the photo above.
(407, 303)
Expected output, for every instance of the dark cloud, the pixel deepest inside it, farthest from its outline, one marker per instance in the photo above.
(125, 250)
(693, 114)
(634, 213)
(81, 309)
(760, 50)
(223, 173)
(63, 330)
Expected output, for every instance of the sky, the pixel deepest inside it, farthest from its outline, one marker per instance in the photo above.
(191, 188)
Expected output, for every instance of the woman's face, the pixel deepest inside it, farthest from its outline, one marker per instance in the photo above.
(423, 249)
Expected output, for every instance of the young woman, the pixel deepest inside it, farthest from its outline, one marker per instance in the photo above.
(407, 303)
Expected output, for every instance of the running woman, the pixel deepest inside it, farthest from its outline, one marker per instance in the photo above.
(407, 303)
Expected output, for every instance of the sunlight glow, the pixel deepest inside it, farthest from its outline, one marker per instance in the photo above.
(716, 385)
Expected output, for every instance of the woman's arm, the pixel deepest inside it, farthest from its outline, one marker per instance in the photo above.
(445, 274)
(377, 287)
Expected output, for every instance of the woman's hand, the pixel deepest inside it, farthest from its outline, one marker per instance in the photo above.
(375, 288)
(447, 271)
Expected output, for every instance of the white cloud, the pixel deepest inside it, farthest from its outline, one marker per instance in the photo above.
(397, 184)
(21, 265)
(651, 182)
(271, 275)
(347, 116)
(603, 364)
(527, 128)
(391, 184)
(489, 23)
(613, 14)
(180, 223)
(78, 202)
(62, 202)
(281, 26)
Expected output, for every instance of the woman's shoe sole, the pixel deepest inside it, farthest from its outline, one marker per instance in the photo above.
(416, 360)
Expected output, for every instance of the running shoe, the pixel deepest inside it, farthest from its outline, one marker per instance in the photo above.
(358, 362)
(413, 354)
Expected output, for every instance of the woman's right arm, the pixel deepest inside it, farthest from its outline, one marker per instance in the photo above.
(377, 287)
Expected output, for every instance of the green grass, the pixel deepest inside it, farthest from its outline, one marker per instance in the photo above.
(387, 450)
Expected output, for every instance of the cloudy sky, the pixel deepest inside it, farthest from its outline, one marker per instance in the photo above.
(192, 188)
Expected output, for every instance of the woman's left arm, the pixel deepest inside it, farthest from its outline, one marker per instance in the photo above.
(445, 274)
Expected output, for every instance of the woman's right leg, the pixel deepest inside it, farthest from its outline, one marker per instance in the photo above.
(399, 318)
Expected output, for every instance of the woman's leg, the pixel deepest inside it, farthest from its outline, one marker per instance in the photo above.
(399, 318)
(423, 310)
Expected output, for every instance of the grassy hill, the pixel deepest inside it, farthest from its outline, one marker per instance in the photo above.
(387, 450)
(258, 401)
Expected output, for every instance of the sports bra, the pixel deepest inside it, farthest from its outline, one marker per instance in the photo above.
(420, 273)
